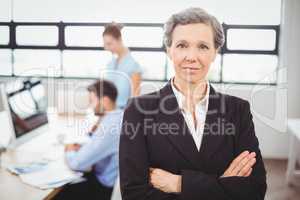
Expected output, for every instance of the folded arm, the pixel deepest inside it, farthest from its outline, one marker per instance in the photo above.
(245, 178)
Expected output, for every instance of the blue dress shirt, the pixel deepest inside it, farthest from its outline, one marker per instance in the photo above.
(102, 151)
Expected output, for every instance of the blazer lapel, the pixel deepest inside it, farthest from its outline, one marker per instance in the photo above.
(215, 116)
(179, 135)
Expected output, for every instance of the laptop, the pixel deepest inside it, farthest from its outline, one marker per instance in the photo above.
(26, 105)
(24, 110)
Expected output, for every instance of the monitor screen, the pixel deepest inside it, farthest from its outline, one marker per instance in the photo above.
(28, 106)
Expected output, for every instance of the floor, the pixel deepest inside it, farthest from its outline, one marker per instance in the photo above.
(277, 187)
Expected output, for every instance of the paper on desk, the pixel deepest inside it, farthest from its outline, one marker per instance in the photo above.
(27, 167)
(55, 175)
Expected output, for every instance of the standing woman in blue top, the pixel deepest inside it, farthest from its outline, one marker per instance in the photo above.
(122, 70)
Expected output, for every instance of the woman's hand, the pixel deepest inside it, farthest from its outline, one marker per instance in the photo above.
(165, 181)
(136, 79)
(241, 165)
(171, 183)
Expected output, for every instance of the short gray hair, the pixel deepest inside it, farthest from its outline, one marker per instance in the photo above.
(192, 16)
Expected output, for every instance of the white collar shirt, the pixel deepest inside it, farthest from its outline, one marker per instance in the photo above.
(200, 114)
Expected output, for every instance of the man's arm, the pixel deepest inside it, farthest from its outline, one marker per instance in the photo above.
(102, 143)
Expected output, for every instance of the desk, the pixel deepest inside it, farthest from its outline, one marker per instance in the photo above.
(11, 187)
(294, 131)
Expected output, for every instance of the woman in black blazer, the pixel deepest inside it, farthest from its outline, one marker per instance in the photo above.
(188, 141)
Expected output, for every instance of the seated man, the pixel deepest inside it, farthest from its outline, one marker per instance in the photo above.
(100, 154)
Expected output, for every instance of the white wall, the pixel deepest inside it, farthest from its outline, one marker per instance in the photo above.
(290, 50)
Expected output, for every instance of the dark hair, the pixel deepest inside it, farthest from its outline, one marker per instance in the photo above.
(113, 29)
(104, 88)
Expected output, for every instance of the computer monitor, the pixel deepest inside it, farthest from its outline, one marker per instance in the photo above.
(28, 106)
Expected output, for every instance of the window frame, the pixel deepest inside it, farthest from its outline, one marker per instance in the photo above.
(62, 45)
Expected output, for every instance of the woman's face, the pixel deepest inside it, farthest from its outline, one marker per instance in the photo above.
(111, 44)
(192, 51)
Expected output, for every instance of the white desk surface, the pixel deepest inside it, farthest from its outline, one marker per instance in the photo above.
(11, 187)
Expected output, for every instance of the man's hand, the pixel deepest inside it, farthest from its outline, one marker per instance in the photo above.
(241, 165)
(72, 147)
(165, 181)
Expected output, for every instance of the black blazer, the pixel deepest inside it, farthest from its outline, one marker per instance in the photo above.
(154, 134)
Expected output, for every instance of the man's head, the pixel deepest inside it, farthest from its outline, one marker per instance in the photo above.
(102, 96)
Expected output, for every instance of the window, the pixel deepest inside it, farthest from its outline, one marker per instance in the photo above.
(5, 11)
(251, 12)
(249, 68)
(4, 32)
(44, 11)
(251, 39)
(37, 62)
(69, 41)
(6, 62)
(152, 63)
(137, 36)
(84, 36)
(215, 70)
(84, 63)
(37, 35)
(229, 11)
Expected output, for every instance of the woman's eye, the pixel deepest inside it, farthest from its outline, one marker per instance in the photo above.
(181, 46)
(202, 46)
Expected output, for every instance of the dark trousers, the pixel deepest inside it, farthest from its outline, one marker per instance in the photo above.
(88, 190)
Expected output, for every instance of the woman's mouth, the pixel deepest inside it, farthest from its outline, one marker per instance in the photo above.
(191, 68)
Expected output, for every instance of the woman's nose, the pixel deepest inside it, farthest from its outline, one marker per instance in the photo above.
(191, 54)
